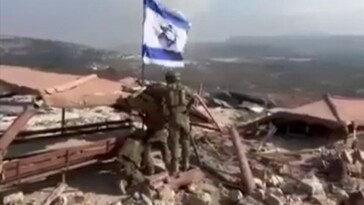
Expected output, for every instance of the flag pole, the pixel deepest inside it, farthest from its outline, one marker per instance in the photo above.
(143, 73)
(143, 65)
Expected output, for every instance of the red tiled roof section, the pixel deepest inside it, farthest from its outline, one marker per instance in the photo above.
(92, 92)
(318, 109)
(348, 109)
(64, 90)
(30, 79)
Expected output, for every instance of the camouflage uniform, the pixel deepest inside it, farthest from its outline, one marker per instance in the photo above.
(130, 158)
(156, 133)
(158, 138)
(176, 108)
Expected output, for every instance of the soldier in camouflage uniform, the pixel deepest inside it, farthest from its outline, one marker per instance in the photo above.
(177, 111)
(130, 159)
(156, 137)
(156, 134)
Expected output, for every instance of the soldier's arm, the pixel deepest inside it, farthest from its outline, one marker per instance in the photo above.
(190, 94)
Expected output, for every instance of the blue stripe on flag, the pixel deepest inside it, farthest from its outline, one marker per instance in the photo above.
(161, 54)
(165, 13)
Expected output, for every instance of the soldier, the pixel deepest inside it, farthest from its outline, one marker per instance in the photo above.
(155, 136)
(129, 161)
(176, 108)
(149, 106)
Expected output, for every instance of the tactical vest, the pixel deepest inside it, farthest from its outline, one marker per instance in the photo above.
(177, 106)
(176, 99)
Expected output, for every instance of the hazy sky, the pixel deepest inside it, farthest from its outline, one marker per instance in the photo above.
(109, 23)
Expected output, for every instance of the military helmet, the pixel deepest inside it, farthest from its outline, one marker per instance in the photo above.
(172, 77)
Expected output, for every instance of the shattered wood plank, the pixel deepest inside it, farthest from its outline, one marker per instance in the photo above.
(15, 128)
(186, 178)
(57, 192)
(270, 134)
(246, 173)
(183, 179)
(70, 85)
(204, 125)
(155, 179)
(208, 112)
(332, 107)
(225, 179)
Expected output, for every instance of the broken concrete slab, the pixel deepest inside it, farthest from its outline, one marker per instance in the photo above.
(259, 194)
(284, 169)
(275, 180)
(146, 199)
(312, 186)
(294, 200)
(260, 172)
(14, 199)
(209, 188)
(167, 195)
(346, 156)
(358, 155)
(259, 183)
(159, 202)
(235, 195)
(116, 203)
(249, 200)
(76, 198)
(276, 191)
(339, 193)
(192, 188)
(355, 170)
(322, 200)
(289, 188)
(273, 200)
(201, 198)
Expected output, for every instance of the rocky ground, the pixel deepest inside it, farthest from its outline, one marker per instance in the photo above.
(287, 171)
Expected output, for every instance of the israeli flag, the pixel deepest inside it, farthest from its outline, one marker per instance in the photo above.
(164, 35)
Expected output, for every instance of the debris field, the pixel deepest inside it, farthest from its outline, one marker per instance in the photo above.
(249, 151)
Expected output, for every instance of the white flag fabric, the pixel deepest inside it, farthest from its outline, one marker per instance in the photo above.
(164, 35)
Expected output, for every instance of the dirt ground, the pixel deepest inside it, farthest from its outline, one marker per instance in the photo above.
(97, 183)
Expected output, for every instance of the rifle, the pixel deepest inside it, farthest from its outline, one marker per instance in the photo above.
(194, 146)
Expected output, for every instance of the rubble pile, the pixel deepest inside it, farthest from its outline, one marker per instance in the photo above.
(256, 158)
(329, 174)
(51, 118)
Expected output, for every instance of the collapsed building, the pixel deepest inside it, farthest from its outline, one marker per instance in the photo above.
(277, 176)
(69, 92)
(334, 116)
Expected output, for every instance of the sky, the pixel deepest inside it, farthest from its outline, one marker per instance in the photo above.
(110, 23)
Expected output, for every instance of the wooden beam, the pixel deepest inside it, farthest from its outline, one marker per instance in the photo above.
(208, 112)
(247, 179)
(15, 128)
(57, 192)
(63, 121)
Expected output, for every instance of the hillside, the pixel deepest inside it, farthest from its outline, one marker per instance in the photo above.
(260, 65)
(329, 48)
(48, 53)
